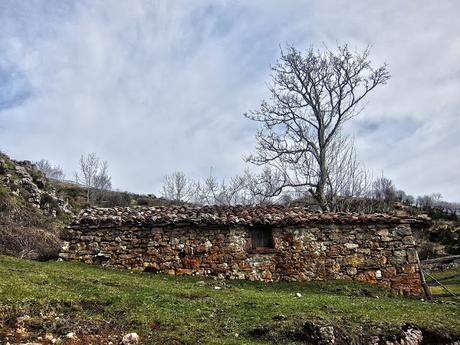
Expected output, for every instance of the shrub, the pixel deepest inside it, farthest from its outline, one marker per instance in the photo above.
(29, 242)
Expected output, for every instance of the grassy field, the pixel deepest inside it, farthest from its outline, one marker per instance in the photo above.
(452, 284)
(63, 297)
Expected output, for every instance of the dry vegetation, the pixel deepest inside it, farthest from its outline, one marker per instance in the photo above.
(24, 230)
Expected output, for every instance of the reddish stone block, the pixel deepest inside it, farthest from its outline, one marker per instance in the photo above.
(185, 271)
(267, 275)
(408, 268)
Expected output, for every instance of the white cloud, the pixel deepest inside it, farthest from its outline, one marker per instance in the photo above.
(159, 86)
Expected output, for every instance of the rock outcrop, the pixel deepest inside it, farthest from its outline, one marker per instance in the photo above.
(26, 182)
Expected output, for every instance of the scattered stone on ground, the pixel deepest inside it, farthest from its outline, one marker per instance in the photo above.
(130, 339)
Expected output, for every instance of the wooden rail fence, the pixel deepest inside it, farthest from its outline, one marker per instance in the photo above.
(451, 279)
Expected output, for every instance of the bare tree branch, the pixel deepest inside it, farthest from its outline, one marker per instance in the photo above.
(312, 95)
(50, 170)
(94, 175)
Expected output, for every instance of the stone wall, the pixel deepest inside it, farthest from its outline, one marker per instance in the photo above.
(377, 253)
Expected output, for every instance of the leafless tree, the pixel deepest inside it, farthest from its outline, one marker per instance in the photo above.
(102, 180)
(452, 208)
(404, 198)
(409, 200)
(311, 96)
(94, 175)
(233, 192)
(244, 189)
(262, 187)
(212, 192)
(206, 190)
(50, 170)
(178, 187)
(428, 201)
(348, 183)
(384, 191)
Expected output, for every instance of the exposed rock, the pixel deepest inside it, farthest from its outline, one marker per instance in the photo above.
(317, 334)
(351, 245)
(130, 339)
(70, 335)
(413, 337)
(50, 338)
(259, 331)
(31, 184)
(280, 317)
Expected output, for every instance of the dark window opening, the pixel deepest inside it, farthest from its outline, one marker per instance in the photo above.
(262, 238)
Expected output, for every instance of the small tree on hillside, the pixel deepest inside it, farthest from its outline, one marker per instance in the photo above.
(384, 191)
(50, 170)
(94, 175)
(311, 96)
(178, 187)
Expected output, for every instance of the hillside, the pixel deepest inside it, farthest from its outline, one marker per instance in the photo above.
(33, 208)
(31, 212)
(440, 239)
(75, 194)
(80, 304)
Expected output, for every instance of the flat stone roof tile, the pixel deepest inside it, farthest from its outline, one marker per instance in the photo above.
(226, 216)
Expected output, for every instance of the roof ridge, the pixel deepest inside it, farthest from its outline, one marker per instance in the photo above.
(274, 215)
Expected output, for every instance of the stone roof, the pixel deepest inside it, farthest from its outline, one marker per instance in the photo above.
(224, 216)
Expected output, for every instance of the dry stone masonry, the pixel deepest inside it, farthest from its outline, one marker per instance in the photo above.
(257, 243)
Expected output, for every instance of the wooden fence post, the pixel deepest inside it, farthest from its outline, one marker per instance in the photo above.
(426, 288)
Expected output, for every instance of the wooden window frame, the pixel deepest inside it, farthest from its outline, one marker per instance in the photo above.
(266, 231)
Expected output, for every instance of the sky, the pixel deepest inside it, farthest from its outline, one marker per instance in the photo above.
(160, 86)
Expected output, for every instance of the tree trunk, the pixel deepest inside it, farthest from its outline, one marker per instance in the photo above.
(320, 189)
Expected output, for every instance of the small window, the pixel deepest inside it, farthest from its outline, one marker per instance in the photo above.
(261, 238)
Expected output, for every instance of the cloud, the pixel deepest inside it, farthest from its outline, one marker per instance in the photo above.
(160, 86)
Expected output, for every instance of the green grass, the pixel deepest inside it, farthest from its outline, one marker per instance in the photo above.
(184, 308)
(452, 284)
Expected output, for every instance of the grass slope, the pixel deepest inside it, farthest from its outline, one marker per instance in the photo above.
(176, 310)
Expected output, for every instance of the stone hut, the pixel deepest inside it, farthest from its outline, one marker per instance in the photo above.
(269, 243)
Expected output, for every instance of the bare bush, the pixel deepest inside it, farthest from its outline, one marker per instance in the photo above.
(29, 242)
(50, 170)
